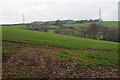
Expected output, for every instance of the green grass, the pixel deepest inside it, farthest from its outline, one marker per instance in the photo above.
(109, 23)
(86, 59)
(51, 31)
(15, 26)
(64, 55)
(105, 23)
(78, 25)
(10, 48)
(51, 26)
(25, 26)
(36, 37)
(76, 45)
(103, 58)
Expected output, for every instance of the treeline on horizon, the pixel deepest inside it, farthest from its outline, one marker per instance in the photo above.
(61, 21)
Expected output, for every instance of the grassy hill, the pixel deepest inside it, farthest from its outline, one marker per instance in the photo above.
(46, 50)
(36, 37)
(105, 23)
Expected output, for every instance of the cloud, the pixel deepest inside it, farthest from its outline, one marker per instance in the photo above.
(56, 9)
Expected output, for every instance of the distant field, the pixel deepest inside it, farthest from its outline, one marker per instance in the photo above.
(15, 26)
(51, 26)
(25, 26)
(109, 23)
(106, 23)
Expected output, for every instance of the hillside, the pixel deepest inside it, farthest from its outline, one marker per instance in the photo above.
(40, 55)
(105, 23)
(36, 37)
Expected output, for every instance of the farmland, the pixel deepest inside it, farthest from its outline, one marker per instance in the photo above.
(106, 23)
(35, 54)
(36, 37)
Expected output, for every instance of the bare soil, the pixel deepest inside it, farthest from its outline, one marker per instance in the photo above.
(43, 62)
(17, 42)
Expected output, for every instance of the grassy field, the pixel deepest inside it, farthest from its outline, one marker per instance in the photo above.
(15, 26)
(36, 37)
(105, 23)
(50, 26)
(31, 46)
(25, 26)
(42, 38)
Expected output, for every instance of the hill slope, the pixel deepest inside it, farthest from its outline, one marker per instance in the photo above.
(105, 23)
(34, 54)
(56, 40)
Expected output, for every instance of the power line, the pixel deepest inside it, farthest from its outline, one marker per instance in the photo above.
(100, 17)
(23, 18)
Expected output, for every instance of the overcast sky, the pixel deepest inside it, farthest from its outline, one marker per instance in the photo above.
(43, 10)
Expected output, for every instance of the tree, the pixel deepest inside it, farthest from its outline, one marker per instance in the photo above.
(92, 31)
(83, 32)
(58, 22)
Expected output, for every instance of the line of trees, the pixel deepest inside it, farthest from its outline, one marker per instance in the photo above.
(38, 27)
(89, 20)
(92, 31)
(100, 32)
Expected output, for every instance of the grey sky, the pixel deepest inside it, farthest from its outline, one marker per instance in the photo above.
(43, 10)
